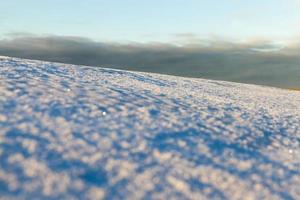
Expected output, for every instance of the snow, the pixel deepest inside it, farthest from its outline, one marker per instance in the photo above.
(79, 132)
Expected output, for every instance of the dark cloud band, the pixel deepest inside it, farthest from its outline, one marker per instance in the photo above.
(256, 62)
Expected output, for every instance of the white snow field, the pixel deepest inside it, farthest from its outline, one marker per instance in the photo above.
(78, 132)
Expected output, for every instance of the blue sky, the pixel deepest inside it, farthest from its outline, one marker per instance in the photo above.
(155, 20)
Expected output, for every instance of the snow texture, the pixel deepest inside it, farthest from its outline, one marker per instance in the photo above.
(78, 132)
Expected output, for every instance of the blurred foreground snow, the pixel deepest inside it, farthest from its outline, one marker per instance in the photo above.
(80, 132)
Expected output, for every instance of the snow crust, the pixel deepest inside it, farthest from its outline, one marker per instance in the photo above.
(78, 132)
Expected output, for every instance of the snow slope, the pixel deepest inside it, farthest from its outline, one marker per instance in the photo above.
(85, 132)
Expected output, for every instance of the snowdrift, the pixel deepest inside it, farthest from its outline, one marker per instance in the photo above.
(79, 132)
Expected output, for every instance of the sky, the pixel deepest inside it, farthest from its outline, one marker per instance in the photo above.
(155, 20)
(250, 41)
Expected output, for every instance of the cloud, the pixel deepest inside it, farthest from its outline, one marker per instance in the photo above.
(254, 61)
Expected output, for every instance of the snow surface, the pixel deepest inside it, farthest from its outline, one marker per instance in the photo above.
(78, 132)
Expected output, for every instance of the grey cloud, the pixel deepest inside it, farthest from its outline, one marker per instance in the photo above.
(250, 62)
